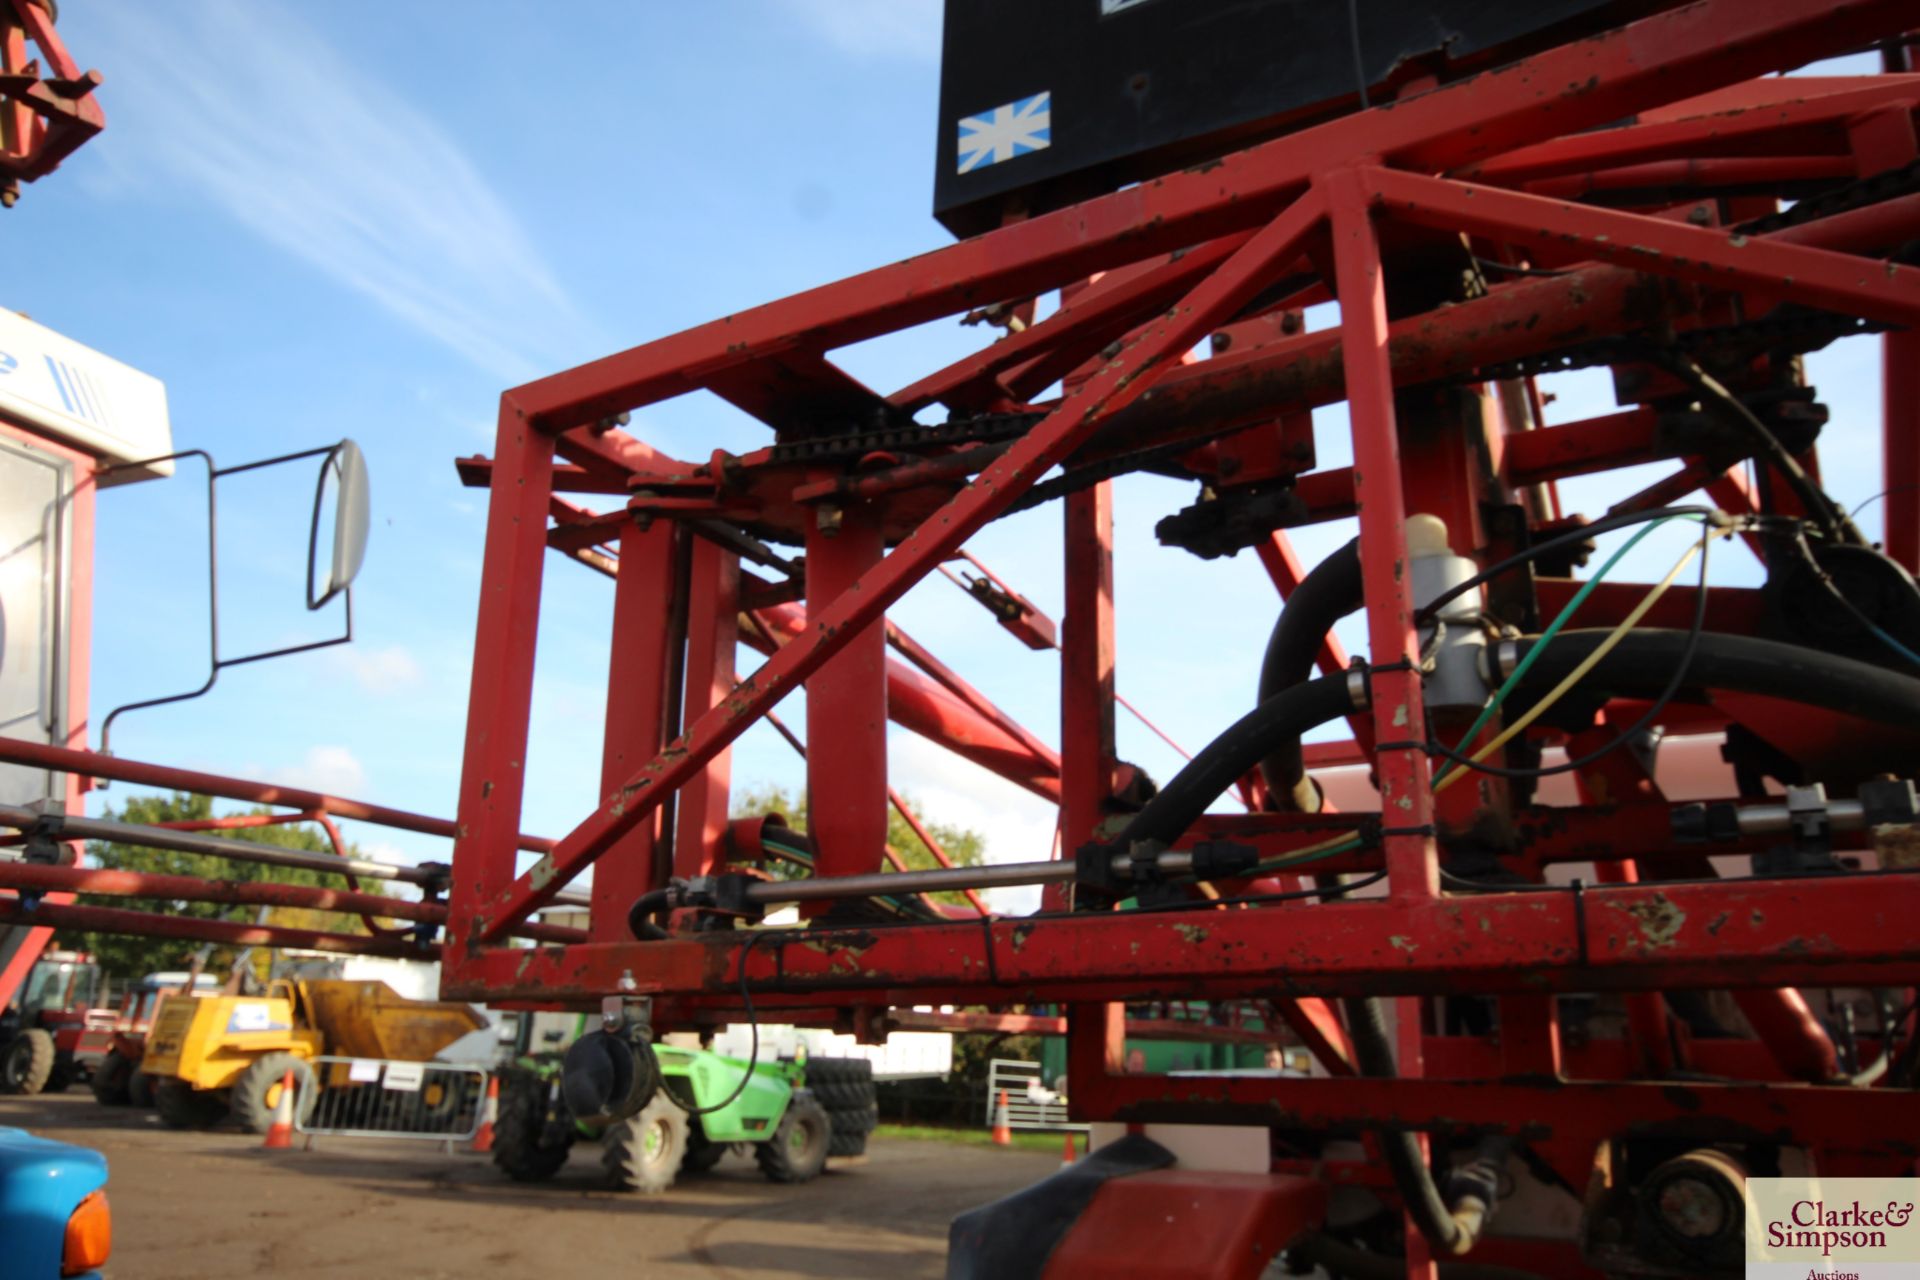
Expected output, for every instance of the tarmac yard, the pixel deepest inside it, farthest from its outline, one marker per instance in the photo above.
(187, 1205)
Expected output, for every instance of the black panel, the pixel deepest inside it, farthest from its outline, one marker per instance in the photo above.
(1158, 84)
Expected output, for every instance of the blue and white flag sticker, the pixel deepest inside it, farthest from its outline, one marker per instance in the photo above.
(996, 136)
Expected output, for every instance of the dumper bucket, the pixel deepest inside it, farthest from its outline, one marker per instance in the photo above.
(372, 1020)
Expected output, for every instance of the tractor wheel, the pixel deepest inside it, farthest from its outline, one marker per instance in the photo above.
(256, 1094)
(61, 1078)
(702, 1153)
(139, 1089)
(850, 1130)
(841, 1084)
(110, 1081)
(181, 1106)
(844, 1086)
(518, 1149)
(797, 1151)
(28, 1063)
(645, 1151)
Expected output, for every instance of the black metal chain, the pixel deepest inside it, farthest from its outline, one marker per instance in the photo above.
(981, 428)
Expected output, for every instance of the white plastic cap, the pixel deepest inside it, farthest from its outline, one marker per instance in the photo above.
(1427, 536)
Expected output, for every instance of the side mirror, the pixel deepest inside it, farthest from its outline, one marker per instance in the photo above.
(342, 497)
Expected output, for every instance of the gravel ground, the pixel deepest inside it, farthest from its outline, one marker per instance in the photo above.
(190, 1205)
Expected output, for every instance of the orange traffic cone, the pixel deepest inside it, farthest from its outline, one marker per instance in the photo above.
(1002, 1127)
(489, 1112)
(1072, 1151)
(280, 1132)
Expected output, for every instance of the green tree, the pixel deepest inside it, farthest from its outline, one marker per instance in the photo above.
(964, 847)
(127, 958)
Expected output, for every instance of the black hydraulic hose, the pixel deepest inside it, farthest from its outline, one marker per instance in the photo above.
(1206, 777)
(1450, 1228)
(1326, 595)
(648, 904)
(1643, 660)
(1285, 717)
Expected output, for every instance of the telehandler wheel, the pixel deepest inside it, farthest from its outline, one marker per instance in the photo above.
(644, 1152)
(797, 1151)
(28, 1063)
(139, 1089)
(256, 1094)
(181, 1106)
(522, 1147)
(702, 1153)
(110, 1081)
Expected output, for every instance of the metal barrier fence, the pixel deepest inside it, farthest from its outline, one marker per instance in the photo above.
(375, 1098)
(1030, 1104)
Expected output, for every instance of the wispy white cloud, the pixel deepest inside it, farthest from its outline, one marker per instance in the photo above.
(875, 28)
(248, 106)
(378, 670)
(334, 770)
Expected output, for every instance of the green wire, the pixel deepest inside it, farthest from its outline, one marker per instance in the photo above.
(1546, 637)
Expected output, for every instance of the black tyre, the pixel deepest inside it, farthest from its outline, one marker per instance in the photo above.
(28, 1063)
(181, 1106)
(442, 1098)
(139, 1089)
(645, 1151)
(256, 1094)
(702, 1154)
(844, 1146)
(64, 1073)
(841, 1084)
(522, 1147)
(110, 1081)
(797, 1151)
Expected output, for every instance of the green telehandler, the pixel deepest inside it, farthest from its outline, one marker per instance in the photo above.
(792, 1115)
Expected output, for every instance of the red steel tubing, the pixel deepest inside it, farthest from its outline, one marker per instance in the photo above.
(120, 769)
(142, 884)
(146, 924)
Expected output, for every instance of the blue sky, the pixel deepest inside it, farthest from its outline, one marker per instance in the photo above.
(317, 221)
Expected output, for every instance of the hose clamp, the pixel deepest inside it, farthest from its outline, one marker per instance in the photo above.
(1506, 658)
(1359, 687)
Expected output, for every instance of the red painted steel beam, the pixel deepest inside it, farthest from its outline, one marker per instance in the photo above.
(146, 924)
(1720, 259)
(1624, 937)
(1847, 1119)
(1900, 445)
(1400, 763)
(1665, 176)
(713, 639)
(647, 638)
(1100, 306)
(1576, 86)
(1121, 381)
(141, 884)
(966, 1022)
(92, 764)
(846, 702)
(972, 728)
(1251, 384)
(1772, 114)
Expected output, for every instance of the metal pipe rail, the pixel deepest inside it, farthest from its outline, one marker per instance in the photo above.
(71, 827)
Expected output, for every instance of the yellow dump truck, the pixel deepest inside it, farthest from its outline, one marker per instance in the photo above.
(220, 1056)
